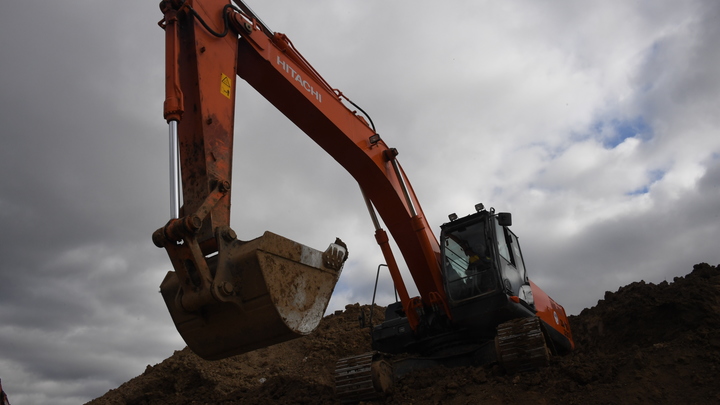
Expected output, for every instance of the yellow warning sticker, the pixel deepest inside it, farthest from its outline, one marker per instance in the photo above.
(225, 85)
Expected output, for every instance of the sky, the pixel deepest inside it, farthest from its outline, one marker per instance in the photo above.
(594, 123)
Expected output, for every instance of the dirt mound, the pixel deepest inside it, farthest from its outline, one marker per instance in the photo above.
(299, 371)
(645, 343)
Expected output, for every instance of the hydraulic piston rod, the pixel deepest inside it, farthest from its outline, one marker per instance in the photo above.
(174, 171)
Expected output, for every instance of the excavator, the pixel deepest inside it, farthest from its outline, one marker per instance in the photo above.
(3, 397)
(227, 296)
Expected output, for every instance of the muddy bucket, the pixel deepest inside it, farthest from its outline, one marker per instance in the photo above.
(265, 291)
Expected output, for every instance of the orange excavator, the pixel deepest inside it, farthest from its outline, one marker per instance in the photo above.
(227, 296)
(3, 397)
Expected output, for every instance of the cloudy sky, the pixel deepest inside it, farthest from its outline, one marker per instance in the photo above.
(594, 123)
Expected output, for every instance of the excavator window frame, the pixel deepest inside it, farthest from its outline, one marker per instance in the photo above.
(518, 259)
(486, 275)
(504, 250)
(507, 242)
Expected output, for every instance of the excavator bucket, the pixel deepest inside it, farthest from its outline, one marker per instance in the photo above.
(265, 291)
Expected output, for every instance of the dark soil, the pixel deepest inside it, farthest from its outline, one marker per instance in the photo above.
(646, 343)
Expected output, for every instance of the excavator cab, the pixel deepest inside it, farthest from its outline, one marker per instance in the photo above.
(469, 264)
(478, 279)
(488, 285)
(482, 256)
(484, 272)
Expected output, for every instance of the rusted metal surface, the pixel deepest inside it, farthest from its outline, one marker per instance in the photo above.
(263, 292)
(204, 105)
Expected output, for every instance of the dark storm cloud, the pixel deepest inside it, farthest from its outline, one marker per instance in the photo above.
(72, 153)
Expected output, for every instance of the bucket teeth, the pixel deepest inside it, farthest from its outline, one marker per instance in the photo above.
(335, 256)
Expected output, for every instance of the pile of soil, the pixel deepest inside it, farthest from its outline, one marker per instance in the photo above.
(645, 343)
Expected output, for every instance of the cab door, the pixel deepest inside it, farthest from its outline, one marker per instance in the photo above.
(510, 261)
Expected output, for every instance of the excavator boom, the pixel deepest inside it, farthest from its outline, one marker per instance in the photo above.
(228, 296)
(272, 65)
(209, 43)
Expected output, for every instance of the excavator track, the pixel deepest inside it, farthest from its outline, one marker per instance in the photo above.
(521, 345)
(365, 377)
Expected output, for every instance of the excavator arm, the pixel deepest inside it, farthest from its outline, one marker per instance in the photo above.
(228, 296)
(272, 65)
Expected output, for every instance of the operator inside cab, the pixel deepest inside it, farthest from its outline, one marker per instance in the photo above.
(468, 269)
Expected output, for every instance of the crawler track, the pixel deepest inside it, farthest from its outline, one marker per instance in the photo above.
(364, 377)
(521, 346)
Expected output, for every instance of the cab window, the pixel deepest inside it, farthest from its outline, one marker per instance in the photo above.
(517, 255)
(467, 261)
(502, 243)
(456, 258)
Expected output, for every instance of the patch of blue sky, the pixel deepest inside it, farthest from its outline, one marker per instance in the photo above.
(615, 131)
(653, 177)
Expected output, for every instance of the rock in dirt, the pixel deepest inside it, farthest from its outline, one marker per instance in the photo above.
(645, 343)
